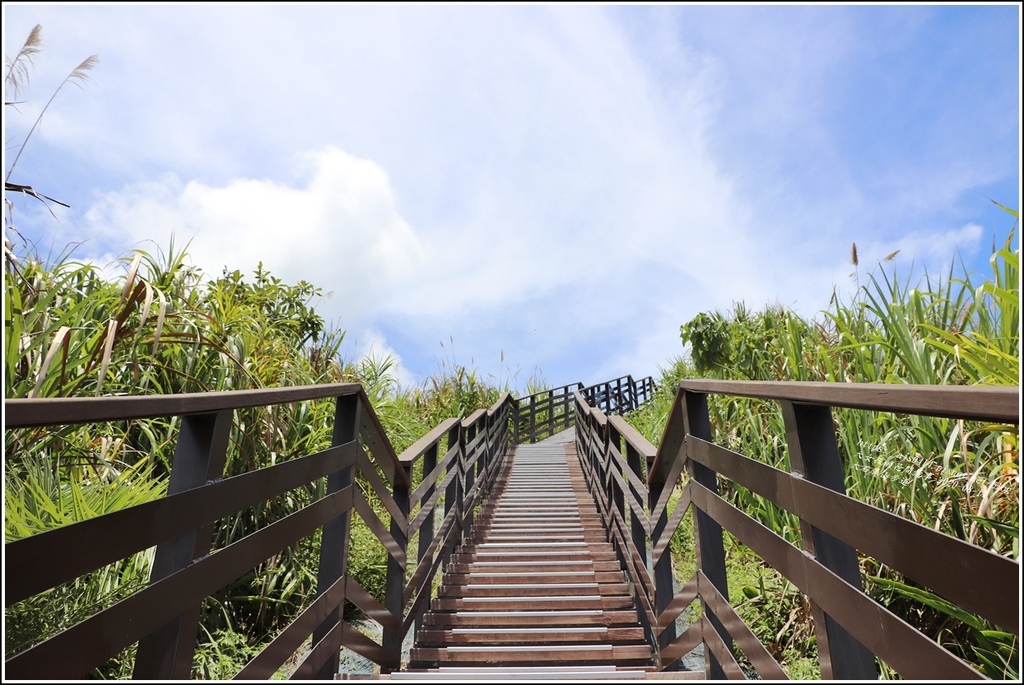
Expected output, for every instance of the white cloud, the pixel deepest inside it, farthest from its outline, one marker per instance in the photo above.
(370, 345)
(565, 184)
(340, 230)
(931, 251)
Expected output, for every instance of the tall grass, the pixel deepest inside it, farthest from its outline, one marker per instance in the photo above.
(960, 477)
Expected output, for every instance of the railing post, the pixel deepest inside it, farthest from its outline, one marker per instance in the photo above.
(515, 421)
(426, 532)
(710, 548)
(637, 528)
(468, 474)
(599, 450)
(664, 581)
(814, 454)
(394, 583)
(532, 419)
(616, 496)
(199, 457)
(335, 536)
(551, 413)
(452, 496)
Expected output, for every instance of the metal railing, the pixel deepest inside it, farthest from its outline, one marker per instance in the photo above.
(458, 460)
(634, 482)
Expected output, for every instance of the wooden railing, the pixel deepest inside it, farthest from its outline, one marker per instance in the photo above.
(458, 460)
(634, 483)
(543, 414)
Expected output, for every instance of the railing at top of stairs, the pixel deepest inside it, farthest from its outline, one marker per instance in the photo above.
(545, 413)
(429, 493)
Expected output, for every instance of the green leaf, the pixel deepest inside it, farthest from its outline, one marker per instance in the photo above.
(932, 600)
(1012, 212)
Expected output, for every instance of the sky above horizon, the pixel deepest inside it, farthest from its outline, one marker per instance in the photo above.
(543, 191)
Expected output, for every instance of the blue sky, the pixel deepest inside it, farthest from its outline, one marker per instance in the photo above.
(526, 189)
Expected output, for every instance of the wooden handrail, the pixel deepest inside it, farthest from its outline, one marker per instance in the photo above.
(24, 413)
(979, 402)
(466, 471)
(836, 526)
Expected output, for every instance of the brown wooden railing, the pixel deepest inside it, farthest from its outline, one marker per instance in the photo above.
(543, 414)
(431, 490)
(435, 484)
(458, 460)
(634, 483)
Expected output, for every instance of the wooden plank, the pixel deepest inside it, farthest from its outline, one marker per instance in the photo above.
(492, 654)
(532, 617)
(565, 602)
(715, 645)
(72, 653)
(682, 645)
(766, 666)
(546, 634)
(984, 403)
(87, 545)
(678, 604)
(893, 540)
(23, 413)
(535, 588)
(682, 504)
(910, 652)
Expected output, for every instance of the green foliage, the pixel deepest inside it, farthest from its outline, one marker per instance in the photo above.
(960, 477)
(765, 345)
(708, 335)
(164, 327)
(997, 651)
(774, 609)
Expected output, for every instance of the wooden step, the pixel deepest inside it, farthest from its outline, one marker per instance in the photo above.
(545, 673)
(592, 552)
(531, 617)
(533, 566)
(532, 602)
(530, 589)
(529, 635)
(581, 654)
(505, 576)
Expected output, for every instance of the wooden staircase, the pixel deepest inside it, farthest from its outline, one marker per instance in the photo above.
(537, 588)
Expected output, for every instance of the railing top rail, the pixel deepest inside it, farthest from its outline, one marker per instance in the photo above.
(473, 418)
(21, 413)
(981, 402)
(549, 391)
(584, 388)
(632, 436)
(506, 398)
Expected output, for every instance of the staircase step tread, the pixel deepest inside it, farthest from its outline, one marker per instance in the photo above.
(533, 576)
(530, 635)
(489, 603)
(567, 654)
(534, 566)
